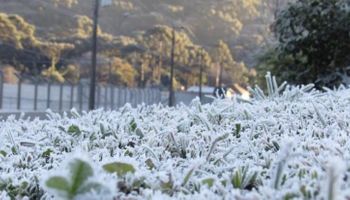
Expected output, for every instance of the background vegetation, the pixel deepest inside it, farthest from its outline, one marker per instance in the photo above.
(301, 42)
(51, 39)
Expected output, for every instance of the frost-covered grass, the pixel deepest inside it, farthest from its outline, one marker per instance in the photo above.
(290, 146)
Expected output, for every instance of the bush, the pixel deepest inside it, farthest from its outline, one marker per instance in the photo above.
(313, 42)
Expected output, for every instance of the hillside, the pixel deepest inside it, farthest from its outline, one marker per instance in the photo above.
(243, 23)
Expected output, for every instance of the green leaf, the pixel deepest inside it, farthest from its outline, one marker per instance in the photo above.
(119, 168)
(74, 130)
(133, 125)
(47, 153)
(3, 153)
(80, 172)
(238, 129)
(14, 150)
(187, 177)
(167, 186)
(150, 163)
(208, 181)
(237, 180)
(58, 183)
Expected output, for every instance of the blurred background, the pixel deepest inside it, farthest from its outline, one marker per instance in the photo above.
(145, 49)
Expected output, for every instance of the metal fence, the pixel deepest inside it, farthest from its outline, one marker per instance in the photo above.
(39, 96)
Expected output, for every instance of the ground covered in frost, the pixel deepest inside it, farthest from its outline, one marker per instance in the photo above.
(289, 146)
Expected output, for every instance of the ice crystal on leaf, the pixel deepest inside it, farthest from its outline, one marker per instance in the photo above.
(279, 145)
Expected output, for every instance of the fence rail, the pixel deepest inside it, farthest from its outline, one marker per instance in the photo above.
(38, 96)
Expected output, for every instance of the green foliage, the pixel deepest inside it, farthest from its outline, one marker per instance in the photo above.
(77, 183)
(83, 27)
(65, 39)
(16, 31)
(3, 153)
(188, 176)
(243, 179)
(119, 168)
(208, 181)
(157, 43)
(74, 130)
(47, 153)
(312, 42)
(119, 72)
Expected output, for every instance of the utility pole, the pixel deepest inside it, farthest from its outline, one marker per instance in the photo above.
(160, 63)
(94, 57)
(172, 62)
(201, 74)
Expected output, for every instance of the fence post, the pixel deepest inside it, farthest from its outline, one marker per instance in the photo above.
(137, 96)
(35, 95)
(71, 96)
(149, 96)
(119, 97)
(1, 88)
(133, 96)
(61, 98)
(142, 96)
(127, 96)
(105, 105)
(112, 97)
(80, 96)
(19, 92)
(98, 96)
(48, 99)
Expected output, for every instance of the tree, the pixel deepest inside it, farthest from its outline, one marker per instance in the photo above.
(53, 51)
(227, 67)
(122, 72)
(314, 34)
(157, 42)
(15, 31)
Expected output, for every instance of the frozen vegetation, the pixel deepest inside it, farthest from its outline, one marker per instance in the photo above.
(290, 144)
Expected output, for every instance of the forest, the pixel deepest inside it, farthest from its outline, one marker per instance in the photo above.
(234, 41)
(51, 40)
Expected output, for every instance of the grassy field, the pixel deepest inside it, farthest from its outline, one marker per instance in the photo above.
(288, 145)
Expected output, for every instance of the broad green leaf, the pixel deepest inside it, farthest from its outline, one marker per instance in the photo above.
(80, 172)
(208, 181)
(47, 153)
(119, 168)
(3, 153)
(58, 183)
(167, 186)
(74, 130)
